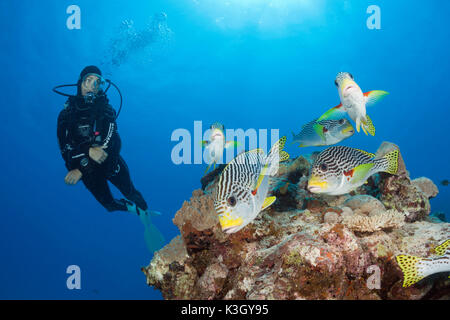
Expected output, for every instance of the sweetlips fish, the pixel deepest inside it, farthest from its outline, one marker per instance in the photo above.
(354, 102)
(338, 170)
(323, 133)
(215, 146)
(241, 192)
(415, 268)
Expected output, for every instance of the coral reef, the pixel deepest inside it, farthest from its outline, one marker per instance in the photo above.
(381, 220)
(305, 246)
(426, 186)
(400, 192)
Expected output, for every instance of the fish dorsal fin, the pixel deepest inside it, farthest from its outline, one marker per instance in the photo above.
(309, 123)
(359, 173)
(334, 113)
(268, 202)
(442, 248)
(370, 155)
(272, 161)
(275, 156)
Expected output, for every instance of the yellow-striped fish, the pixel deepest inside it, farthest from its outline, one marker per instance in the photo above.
(241, 192)
(323, 133)
(416, 268)
(340, 170)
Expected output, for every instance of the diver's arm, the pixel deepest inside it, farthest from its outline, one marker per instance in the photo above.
(64, 142)
(107, 136)
(74, 156)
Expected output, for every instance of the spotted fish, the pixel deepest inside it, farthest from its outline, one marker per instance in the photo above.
(416, 268)
(354, 102)
(241, 192)
(340, 170)
(323, 133)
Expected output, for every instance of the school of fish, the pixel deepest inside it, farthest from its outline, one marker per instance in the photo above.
(243, 188)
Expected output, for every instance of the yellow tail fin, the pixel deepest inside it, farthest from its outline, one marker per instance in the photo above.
(368, 126)
(440, 249)
(409, 266)
(392, 162)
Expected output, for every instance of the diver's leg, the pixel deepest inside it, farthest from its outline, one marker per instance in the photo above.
(97, 184)
(122, 180)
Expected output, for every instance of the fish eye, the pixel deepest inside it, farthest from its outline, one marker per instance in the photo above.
(351, 76)
(341, 121)
(323, 167)
(231, 201)
(336, 83)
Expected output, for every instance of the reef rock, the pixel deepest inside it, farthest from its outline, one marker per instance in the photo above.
(399, 192)
(305, 246)
(381, 220)
(364, 204)
(426, 186)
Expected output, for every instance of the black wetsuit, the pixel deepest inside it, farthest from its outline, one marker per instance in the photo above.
(81, 126)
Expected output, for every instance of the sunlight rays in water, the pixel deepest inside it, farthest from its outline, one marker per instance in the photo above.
(263, 14)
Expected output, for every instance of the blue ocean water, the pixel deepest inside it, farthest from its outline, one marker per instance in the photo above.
(247, 63)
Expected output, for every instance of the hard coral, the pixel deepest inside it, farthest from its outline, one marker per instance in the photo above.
(379, 221)
(306, 246)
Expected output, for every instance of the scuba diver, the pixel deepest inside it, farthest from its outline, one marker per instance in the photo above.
(90, 146)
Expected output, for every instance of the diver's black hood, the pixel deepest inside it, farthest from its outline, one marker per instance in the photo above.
(84, 72)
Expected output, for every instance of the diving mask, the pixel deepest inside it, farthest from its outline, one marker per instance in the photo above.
(92, 84)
